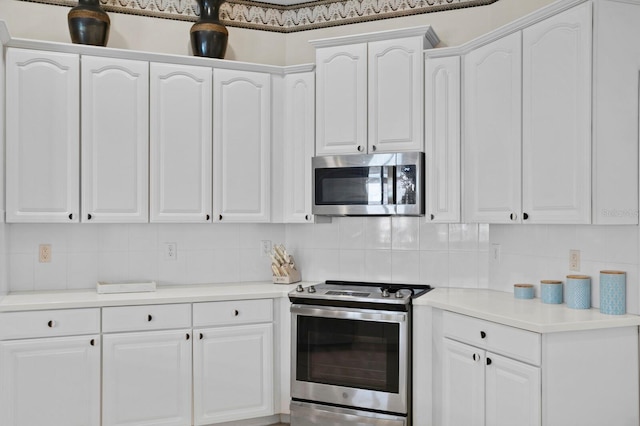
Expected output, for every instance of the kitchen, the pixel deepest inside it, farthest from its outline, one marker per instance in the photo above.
(399, 249)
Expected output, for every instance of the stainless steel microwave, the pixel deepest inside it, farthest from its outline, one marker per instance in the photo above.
(375, 184)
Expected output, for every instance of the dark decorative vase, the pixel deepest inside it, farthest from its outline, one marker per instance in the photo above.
(208, 35)
(88, 23)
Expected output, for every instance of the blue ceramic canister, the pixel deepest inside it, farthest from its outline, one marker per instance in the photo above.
(613, 291)
(578, 291)
(551, 291)
(523, 291)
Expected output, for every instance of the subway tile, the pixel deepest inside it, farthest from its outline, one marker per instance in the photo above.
(226, 265)
(299, 236)
(377, 233)
(327, 235)
(113, 266)
(143, 266)
(113, 237)
(377, 265)
(251, 234)
(434, 268)
(434, 236)
(143, 237)
(463, 237)
(352, 233)
(405, 267)
(82, 270)
(21, 271)
(253, 266)
(200, 268)
(82, 238)
(53, 275)
(352, 265)
(463, 269)
(405, 233)
(325, 265)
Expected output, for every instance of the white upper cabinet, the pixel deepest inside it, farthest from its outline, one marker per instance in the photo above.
(370, 92)
(42, 125)
(442, 139)
(527, 129)
(181, 143)
(299, 131)
(115, 140)
(492, 131)
(241, 146)
(395, 95)
(341, 99)
(556, 112)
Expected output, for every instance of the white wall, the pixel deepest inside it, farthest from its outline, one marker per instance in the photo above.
(401, 250)
(83, 254)
(530, 253)
(47, 22)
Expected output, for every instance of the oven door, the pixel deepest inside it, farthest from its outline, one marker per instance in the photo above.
(351, 357)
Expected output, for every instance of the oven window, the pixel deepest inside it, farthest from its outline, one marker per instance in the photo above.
(351, 353)
(349, 186)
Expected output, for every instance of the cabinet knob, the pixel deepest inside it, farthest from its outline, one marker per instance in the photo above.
(201, 336)
(513, 216)
(219, 217)
(475, 357)
(307, 217)
(188, 337)
(208, 217)
(483, 334)
(149, 317)
(51, 324)
(432, 216)
(89, 216)
(70, 216)
(525, 216)
(489, 361)
(360, 149)
(235, 313)
(92, 342)
(373, 147)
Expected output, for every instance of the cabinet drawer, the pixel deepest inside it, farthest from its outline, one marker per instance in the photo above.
(63, 322)
(147, 317)
(232, 312)
(501, 339)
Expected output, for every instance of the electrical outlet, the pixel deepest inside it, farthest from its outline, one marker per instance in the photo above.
(265, 248)
(44, 253)
(495, 253)
(574, 260)
(170, 251)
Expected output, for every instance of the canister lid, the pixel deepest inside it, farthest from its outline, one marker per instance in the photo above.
(579, 277)
(523, 285)
(613, 272)
(551, 282)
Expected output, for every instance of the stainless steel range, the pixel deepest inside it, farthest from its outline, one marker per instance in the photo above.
(351, 353)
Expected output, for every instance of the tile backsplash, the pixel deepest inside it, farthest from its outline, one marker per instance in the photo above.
(403, 249)
(530, 253)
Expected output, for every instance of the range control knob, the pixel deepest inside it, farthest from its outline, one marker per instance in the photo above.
(385, 292)
(299, 289)
(311, 289)
(399, 294)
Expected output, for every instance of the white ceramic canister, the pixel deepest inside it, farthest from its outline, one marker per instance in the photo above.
(551, 291)
(578, 291)
(613, 291)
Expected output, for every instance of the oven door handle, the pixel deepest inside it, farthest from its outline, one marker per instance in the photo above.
(348, 313)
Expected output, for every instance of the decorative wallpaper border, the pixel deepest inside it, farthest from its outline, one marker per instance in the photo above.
(284, 19)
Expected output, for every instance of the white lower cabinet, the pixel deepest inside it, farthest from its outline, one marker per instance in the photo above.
(492, 374)
(146, 375)
(233, 373)
(481, 387)
(49, 374)
(232, 361)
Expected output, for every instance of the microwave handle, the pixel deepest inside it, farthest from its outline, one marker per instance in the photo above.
(389, 185)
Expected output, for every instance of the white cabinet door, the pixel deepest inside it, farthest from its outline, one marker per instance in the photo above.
(181, 102)
(50, 381)
(241, 146)
(341, 73)
(147, 378)
(556, 128)
(492, 132)
(513, 392)
(395, 95)
(42, 125)
(463, 378)
(233, 373)
(442, 139)
(115, 140)
(299, 131)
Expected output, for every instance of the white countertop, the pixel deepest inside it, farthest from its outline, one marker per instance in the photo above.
(531, 314)
(68, 299)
